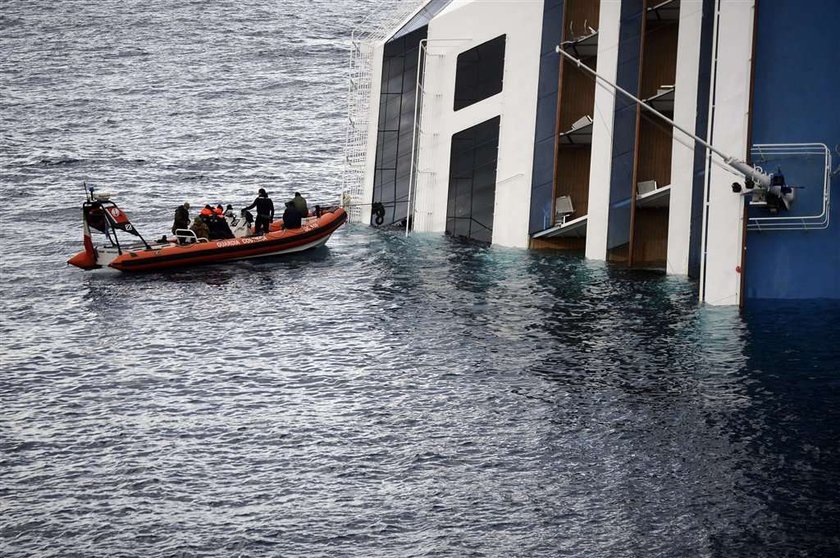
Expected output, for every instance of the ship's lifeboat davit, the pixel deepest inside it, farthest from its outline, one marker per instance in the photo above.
(185, 249)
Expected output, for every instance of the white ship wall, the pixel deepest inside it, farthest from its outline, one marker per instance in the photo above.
(723, 237)
(460, 27)
(723, 214)
(682, 155)
(600, 167)
(465, 24)
(378, 50)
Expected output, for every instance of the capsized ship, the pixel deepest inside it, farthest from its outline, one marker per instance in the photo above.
(185, 249)
(676, 135)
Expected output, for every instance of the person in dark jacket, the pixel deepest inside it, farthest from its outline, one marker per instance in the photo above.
(200, 229)
(219, 228)
(291, 217)
(182, 217)
(300, 205)
(265, 212)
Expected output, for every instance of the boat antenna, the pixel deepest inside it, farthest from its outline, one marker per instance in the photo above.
(753, 175)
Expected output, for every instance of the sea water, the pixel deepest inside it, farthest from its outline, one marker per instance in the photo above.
(382, 396)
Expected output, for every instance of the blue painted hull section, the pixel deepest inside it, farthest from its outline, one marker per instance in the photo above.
(797, 100)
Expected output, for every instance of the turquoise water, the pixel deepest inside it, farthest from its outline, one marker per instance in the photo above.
(382, 396)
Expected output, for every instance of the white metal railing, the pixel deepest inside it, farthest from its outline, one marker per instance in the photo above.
(382, 21)
(777, 154)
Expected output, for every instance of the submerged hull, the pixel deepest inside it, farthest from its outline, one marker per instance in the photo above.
(313, 233)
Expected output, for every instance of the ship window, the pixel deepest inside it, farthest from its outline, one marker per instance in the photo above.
(479, 72)
(472, 181)
(395, 128)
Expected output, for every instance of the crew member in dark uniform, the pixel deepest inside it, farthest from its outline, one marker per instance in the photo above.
(219, 228)
(300, 205)
(291, 217)
(182, 217)
(265, 212)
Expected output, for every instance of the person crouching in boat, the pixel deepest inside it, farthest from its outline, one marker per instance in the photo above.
(265, 212)
(199, 227)
(218, 226)
(291, 217)
(300, 204)
(182, 217)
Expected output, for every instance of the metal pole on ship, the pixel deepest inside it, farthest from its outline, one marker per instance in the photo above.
(757, 177)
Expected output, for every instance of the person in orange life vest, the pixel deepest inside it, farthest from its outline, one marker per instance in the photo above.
(207, 217)
(220, 211)
(216, 223)
(265, 212)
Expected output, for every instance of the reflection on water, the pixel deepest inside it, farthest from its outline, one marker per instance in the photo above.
(381, 396)
(397, 396)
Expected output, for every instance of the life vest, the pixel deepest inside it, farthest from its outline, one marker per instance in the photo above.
(219, 211)
(206, 212)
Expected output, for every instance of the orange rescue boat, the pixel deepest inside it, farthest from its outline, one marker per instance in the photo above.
(185, 249)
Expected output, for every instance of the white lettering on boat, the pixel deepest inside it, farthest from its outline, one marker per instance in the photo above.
(238, 241)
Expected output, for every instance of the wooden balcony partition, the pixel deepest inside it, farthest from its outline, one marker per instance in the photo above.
(575, 103)
(654, 141)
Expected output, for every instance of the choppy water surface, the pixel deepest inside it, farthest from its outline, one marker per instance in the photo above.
(380, 397)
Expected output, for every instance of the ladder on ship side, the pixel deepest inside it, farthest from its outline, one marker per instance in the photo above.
(374, 29)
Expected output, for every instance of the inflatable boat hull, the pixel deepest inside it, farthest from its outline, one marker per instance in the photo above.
(314, 232)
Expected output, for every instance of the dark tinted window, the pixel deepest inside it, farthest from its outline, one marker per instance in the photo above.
(479, 72)
(396, 126)
(472, 181)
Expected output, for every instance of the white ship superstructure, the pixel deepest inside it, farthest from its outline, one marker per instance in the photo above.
(483, 119)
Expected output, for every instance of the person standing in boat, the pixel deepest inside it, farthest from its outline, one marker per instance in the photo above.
(182, 217)
(265, 212)
(300, 204)
(291, 217)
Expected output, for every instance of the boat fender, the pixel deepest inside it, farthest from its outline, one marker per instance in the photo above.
(378, 211)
